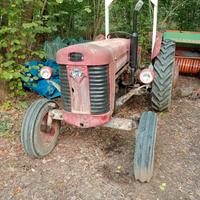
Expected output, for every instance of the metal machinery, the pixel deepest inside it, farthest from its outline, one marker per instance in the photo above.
(91, 75)
(187, 50)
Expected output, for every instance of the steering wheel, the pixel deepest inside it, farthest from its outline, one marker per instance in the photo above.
(119, 34)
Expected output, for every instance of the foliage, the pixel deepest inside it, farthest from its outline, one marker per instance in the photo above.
(180, 14)
(75, 18)
(6, 105)
(18, 38)
(6, 125)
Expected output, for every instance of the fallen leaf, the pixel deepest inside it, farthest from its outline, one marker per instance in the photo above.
(18, 190)
(163, 187)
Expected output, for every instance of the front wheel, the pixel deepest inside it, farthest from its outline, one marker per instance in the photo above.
(37, 139)
(145, 145)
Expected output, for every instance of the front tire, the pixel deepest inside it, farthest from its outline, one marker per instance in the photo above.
(145, 145)
(37, 141)
(164, 69)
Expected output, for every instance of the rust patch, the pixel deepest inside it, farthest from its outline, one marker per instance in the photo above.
(157, 46)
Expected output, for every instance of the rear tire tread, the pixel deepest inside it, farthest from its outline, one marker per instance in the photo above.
(163, 81)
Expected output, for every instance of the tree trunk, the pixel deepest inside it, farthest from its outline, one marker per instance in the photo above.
(3, 90)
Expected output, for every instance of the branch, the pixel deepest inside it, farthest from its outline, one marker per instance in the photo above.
(171, 11)
(43, 7)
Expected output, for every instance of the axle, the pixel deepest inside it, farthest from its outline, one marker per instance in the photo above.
(117, 123)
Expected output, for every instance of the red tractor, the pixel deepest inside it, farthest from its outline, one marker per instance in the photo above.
(91, 75)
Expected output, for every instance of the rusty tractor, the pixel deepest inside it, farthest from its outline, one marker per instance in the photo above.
(91, 75)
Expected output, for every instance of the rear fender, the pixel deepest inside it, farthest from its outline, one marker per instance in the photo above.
(157, 46)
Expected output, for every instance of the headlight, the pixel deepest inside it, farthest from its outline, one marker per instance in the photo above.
(146, 76)
(46, 72)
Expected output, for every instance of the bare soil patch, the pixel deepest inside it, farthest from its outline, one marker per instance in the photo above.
(92, 164)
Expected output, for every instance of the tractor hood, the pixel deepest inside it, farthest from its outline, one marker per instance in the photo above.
(94, 53)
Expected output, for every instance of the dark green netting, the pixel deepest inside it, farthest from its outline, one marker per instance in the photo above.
(51, 47)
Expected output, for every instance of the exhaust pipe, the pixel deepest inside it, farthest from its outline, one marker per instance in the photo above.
(134, 40)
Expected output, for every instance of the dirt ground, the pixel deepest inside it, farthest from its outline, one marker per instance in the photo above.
(97, 164)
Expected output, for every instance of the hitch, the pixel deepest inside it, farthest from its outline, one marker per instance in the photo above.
(135, 91)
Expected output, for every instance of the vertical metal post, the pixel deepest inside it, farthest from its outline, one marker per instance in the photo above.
(155, 19)
(106, 21)
(107, 5)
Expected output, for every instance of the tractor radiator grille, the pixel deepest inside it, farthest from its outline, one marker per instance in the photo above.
(99, 89)
(65, 90)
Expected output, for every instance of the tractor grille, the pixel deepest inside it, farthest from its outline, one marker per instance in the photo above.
(99, 89)
(65, 91)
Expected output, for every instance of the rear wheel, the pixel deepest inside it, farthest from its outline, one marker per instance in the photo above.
(37, 139)
(145, 145)
(164, 69)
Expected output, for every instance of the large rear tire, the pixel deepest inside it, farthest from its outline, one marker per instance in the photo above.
(164, 69)
(145, 145)
(36, 138)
